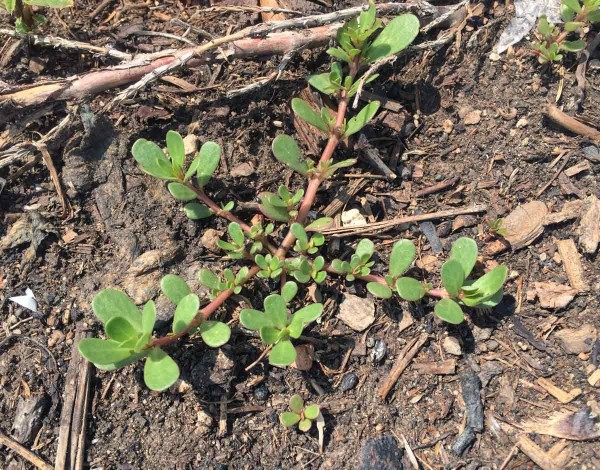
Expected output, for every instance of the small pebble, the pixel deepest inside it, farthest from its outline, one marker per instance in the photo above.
(349, 381)
(261, 392)
(378, 351)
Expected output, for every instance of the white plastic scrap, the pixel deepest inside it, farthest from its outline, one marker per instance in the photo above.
(526, 14)
(28, 300)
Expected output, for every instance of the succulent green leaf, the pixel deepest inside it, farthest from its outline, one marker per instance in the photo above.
(491, 282)
(214, 333)
(50, 3)
(160, 371)
(289, 291)
(176, 149)
(148, 317)
(142, 342)
(133, 357)
(309, 313)
(209, 279)
(453, 276)
(319, 224)
(594, 16)
(103, 352)
(120, 330)
(295, 328)
(282, 354)
(306, 112)
(210, 156)
(379, 290)
(193, 168)
(449, 311)
(403, 254)
(286, 150)
(305, 425)
(298, 231)
(288, 419)
(186, 310)
(296, 404)
(573, 5)
(362, 118)
(152, 159)
(196, 211)
(276, 310)
(396, 36)
(181, 192)
(269, 334)
(236, 233)
(254, 319)
(464, 250)
(273, 212)
(10, 5)
(338, 53)
(573, 46)
(174, 287)
(311, 411)
(365, 248)
(410, 289)
(113, 303)
(322, 82)
(492, 301)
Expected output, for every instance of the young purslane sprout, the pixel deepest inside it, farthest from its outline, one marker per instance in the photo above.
(301, 415)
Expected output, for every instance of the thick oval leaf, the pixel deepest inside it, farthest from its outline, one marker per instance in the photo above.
(181, 192)
(306, 112)
(274, 212)
(269, 334)
(286, 150)
(209, 279)
(453, 276)
(491, 282)
(120, 330)
(288, 419)
(573, 5)
(142, 342)
(396, 36)
(305, 425)
(254, 319)
(160, 371)
(403, 254)
(113, 303)
(236, 233)
(311, 411)
(152, 159)
(362, 118)
(289, 291)
(102, 352)
(309, 313)
(176, 149)
(449, 311)
(214, 333)
(322, 82)
(365, 248)
(319, 224)
(186, 310)
(410, 289)
(276, 310)
(135, 356)
(148, 317)
(573, 46)
(299, 232)
(283, 354)
(193, 168)
(492, 301)
(196, 211)
(379, 290)
(295, 328)
(464, 250)
(174, 287)
(50, 3)
(210, 156)
(296, 403)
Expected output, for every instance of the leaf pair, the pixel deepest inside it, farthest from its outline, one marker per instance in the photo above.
(277, 327)
(235, 248)
(402, 257)
(360, 262)
(301, 415)
(303, 271)
(280, 206)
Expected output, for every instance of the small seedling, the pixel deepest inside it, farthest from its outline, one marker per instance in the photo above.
(26, 20)
(496, 229)
(300, 414)
(277, 327)
(551, 40)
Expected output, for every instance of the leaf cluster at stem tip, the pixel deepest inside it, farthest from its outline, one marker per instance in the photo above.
(301, 415)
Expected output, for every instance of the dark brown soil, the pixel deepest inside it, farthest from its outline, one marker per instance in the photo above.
(120, 213)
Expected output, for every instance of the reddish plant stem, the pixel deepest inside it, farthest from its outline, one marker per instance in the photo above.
(202, 315)
(213, 206)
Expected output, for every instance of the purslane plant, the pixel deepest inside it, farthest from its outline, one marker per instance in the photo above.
(551, 40)
(265, 249)
(301, 415)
